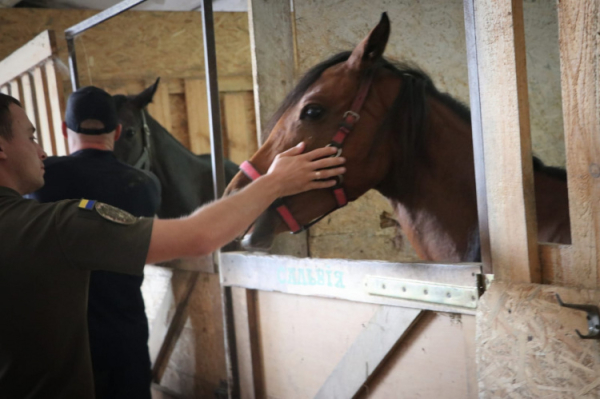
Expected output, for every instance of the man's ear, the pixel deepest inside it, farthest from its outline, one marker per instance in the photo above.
(118, 131)
(64, 130)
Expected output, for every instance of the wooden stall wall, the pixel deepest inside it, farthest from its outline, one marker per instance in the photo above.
(125, 55)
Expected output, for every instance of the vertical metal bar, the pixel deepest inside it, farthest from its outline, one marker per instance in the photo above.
(216, 143)
(72, 63)
(212, 89)
(478, 151)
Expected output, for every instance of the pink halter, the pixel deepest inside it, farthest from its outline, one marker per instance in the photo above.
(349, 120)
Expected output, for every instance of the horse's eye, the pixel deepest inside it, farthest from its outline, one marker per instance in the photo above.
(312, 112)
(129, 132)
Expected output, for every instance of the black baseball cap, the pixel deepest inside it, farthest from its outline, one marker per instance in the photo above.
(91, 103)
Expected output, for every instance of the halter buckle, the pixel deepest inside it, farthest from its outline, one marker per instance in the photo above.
(339, 150)
(353, 114)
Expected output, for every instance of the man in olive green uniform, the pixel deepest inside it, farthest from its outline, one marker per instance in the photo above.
(47, 252)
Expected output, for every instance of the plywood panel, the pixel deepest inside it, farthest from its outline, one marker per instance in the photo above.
(197, 110)
(136, 44)
(527, 345)
(305, 338)
(238, 110)
(388, 326)
(579, 63)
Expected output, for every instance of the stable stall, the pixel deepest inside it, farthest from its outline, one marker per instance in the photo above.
(352, 313)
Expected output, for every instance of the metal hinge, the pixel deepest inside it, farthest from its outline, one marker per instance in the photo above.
(423, 291)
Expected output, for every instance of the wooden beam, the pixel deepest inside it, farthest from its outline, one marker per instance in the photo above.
(15, 91)
(578, 38)
(171, 335)
(28, 102)
(383, 332)
(28, 56)
(342, 279)
(507, 141)
(56, 103)
(245, 306)
(43, 116)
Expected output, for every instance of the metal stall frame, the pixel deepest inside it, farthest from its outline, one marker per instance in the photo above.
(217, 160)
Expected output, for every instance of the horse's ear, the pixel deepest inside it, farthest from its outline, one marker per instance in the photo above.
(145, 97)
(372, 46)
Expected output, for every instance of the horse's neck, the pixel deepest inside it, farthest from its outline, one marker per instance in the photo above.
(175, 167)
(552, 209)
(439, 216)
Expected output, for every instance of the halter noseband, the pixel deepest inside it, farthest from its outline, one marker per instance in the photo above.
(346, 126)
(143, 161)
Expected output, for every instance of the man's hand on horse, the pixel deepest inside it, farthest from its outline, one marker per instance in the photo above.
(296, 172)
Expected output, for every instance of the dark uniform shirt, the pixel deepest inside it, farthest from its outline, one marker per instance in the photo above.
(118, 325)
(46, 254)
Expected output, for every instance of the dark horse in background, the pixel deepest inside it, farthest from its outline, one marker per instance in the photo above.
(411, 143)
(186, 178)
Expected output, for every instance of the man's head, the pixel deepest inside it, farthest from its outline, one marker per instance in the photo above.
(5, 116)
(21, 166)
(91, 119)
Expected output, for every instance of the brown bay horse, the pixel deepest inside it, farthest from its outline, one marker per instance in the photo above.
(410, 142)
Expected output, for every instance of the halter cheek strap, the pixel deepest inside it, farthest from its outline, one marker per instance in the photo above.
(349, 120)
(281, 208)
(143, 161)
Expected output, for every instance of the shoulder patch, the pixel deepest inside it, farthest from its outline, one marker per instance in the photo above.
(114, 214)
(87, 204)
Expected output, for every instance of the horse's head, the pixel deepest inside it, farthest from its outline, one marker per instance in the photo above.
(131, 145)
(312, 113)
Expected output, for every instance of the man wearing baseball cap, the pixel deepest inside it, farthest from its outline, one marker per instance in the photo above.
(117, 323)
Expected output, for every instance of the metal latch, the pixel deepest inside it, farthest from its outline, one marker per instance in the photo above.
(593, 318)
(423, 291)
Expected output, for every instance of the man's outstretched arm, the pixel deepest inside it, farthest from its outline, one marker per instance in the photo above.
(218, 223)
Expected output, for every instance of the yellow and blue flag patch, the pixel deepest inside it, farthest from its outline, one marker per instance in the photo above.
(87, 204)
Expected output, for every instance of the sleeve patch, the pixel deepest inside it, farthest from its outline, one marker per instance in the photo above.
(114, 214)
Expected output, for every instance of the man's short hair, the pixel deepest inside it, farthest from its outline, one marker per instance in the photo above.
(5, 116)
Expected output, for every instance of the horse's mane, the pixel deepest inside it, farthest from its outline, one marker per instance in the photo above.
(409, 113)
